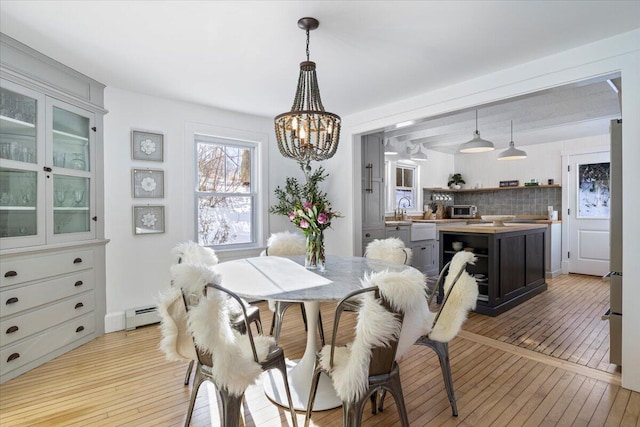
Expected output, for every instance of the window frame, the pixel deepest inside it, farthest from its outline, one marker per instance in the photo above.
(391, 187)
(253, 194)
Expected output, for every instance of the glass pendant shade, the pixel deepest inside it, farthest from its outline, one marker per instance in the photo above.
(512, 153)
(307, 132)
(477, 144)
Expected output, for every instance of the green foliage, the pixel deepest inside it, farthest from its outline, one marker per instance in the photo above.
(295, 194)
(456, 178)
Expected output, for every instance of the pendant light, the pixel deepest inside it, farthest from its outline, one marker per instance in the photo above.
(390, 148)
(307, 132)
(418, 152)
(477, 144)
(512, 153)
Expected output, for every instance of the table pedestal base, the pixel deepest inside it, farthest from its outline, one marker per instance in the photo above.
(300, 374)
(274, 389)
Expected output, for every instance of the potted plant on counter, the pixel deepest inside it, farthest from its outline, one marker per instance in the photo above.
(455, 181)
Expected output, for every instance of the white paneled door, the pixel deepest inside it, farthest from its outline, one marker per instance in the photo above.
(588, 213)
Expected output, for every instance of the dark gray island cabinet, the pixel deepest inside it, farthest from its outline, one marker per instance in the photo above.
(510, 262)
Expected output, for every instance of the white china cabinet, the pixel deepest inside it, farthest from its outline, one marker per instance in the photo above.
(52, 281)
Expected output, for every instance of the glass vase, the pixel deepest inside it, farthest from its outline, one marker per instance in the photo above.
(315, 258)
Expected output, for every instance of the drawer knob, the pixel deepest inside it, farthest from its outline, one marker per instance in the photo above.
(77, 260)
(78, 283)
(367, 235)
(80, 329)
(12, 300)
(79, 305)
(13, 356)
(11, 273)
(12, 329)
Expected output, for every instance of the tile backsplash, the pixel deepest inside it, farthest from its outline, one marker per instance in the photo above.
(522, 201)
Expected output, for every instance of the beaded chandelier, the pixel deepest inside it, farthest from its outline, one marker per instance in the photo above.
(307, 132)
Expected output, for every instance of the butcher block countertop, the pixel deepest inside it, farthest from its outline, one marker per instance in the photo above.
(488, 228)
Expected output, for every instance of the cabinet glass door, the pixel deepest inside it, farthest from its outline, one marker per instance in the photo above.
(71, 183)
(70, 140)
(18, 213)
(70, 205)
(18, 115)
(21, 159)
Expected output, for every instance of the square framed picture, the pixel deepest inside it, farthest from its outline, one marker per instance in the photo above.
(147, 146)
(147, 183)
(148, 219)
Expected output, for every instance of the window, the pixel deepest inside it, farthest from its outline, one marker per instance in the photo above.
(405, 189)
(225, 192)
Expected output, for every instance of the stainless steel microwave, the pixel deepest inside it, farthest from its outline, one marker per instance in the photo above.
(463, 211)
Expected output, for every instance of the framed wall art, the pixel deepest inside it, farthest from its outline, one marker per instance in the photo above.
(147, 183)
(148, 219)
(147, 146)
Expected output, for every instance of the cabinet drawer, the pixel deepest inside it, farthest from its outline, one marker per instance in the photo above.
(24, 269)
(21, 326)
(26, 297)
(15, 356)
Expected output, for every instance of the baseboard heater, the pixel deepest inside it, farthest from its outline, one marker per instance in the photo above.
(141, 316)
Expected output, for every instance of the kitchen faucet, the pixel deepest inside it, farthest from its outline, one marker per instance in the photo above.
(399, 212)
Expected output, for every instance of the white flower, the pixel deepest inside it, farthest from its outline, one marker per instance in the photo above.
(147, 146)
(148, 184)
(149, 220)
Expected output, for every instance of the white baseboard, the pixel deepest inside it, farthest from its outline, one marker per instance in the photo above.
(114, 322)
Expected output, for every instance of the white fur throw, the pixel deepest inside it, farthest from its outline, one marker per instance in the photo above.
(176, 342)
(391, 250)
(462, 299)
(234, 368)
(376, 327)
(192, 253)
(286, 243)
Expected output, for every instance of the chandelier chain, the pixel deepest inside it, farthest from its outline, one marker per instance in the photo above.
(307, 44)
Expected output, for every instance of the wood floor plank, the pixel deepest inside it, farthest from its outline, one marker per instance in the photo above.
(121, 379)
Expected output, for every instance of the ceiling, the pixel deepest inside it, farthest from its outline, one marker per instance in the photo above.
(244, 55)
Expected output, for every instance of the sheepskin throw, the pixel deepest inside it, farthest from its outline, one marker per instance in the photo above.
(376, 327)
(192, 253)
(208, 321)
(391, 250)
(286, 243)
(462, 299)
(176, 342)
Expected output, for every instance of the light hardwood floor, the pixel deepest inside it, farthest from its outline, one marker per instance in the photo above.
(121, 379)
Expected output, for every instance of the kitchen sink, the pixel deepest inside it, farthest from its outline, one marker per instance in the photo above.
(422, 231)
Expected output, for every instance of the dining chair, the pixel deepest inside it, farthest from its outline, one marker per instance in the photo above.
(369, 363)
(230, 360)
(391, 249)
(281, 244)
(460, 296)
(192, 253)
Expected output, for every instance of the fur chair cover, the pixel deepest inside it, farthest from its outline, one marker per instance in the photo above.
(208, 322)
(192, 253)
(462, 299)
(391, 250)
(376, 327)
(176, 342)
(286, 243)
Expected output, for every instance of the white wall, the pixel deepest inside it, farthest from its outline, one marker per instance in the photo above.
(137, 266)
(616, 54)
(542, 163)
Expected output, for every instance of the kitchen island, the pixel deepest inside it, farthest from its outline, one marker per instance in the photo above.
(511, 261)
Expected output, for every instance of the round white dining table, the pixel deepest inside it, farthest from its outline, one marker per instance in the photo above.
(286, 279)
